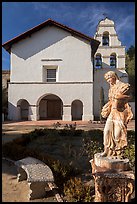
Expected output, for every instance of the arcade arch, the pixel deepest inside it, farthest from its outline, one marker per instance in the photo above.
(23, 108)
(50, 107)
(77, 110)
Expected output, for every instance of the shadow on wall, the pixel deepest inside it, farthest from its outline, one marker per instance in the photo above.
(37, 42)
(11, 111)
(19, 112)
(104, 65)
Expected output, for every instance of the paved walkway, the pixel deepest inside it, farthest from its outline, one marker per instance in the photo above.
(45, 122)
(13, 129)
(50, 123)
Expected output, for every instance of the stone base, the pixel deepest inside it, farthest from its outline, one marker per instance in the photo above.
(67, 118)
(87, 117)
(100, 163)
(114, 187)
(114, 182)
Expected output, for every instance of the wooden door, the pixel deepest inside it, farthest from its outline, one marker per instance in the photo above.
(54, 109)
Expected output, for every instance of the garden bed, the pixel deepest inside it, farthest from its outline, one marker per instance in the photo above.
(67, 153)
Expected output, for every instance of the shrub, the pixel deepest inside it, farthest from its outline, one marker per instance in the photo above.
(129, 151)
(76, 191)
(93, 142)
(13, 151)
(62, 172)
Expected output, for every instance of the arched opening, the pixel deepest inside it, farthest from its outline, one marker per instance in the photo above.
(105, 39)
(113, 60)
(50, 108)
(77, 110)
(23, 107)
(98, 61)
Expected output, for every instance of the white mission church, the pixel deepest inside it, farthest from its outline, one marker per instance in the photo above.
(57, 72)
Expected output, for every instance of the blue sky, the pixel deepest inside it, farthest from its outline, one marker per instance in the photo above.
(18, 17)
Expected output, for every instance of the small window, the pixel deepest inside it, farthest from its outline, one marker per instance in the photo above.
(105, 39)
(113, 61)
(98, 61)
(51, 75)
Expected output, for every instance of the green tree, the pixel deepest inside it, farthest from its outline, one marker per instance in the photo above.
(130, 68)
(131, 52)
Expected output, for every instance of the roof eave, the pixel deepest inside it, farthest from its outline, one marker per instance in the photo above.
(7, 46)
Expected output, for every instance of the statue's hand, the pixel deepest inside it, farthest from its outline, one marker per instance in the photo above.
(121, 96)
(124, 88)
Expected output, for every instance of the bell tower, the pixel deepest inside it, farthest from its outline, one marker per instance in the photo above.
(110, 56)
(110, 48)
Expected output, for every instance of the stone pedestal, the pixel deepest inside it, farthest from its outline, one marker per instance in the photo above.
(114, 181)
(109, 164)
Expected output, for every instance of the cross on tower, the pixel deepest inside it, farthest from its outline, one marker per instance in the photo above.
(105, 15)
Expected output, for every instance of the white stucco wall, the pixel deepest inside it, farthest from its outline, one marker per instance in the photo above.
(51, 46)
(107, 51)
(66, 92)
(51, 43)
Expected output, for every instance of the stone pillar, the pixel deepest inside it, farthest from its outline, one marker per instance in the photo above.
(88, 109)
(37, 112)
(67, 113)
(37, 190)
(32, 116)
(114, 181)
(87, 117)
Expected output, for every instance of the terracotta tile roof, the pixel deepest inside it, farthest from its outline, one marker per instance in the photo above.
(94, 43)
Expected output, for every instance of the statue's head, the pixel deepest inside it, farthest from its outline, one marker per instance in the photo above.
(110, 74)
(111, 77)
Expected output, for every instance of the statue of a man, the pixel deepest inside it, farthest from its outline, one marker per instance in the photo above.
(118, 113)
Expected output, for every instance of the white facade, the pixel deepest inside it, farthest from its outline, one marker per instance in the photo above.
(51, 47)
(73, 92)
